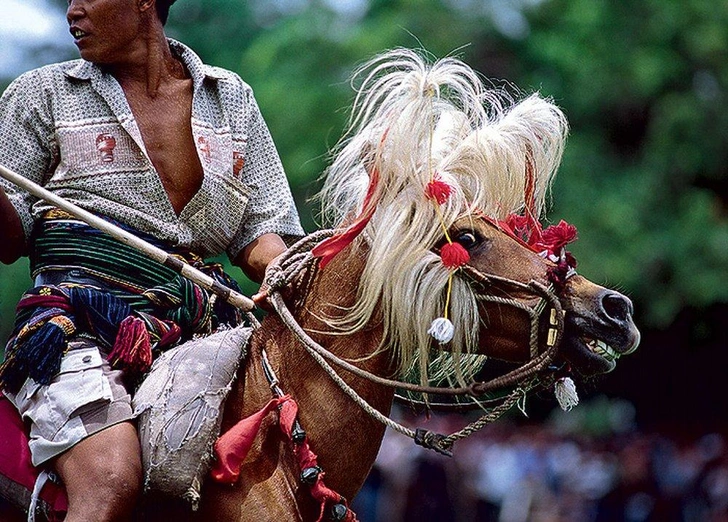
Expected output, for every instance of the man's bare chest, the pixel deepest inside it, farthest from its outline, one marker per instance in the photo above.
(165, 125)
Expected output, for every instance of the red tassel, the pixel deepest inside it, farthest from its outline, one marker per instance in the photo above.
(454, 255)
(438, 190)
(329, 248)
(556, 237)
(132, 350)
(529, 197)
(523, 228)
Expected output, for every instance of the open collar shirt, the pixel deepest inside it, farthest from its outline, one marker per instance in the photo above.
(69, 128)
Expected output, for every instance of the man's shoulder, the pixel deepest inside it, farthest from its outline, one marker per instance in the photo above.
(52, 72)
(228, 82)
(36, 82)
(199, 70)
(55, 69)
(224, 74)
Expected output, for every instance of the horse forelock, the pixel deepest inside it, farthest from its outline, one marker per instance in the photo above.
(411, 121)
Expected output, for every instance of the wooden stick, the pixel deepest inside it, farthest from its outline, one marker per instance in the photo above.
(157, 254)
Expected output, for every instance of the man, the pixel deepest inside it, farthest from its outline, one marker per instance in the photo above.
(140, 132)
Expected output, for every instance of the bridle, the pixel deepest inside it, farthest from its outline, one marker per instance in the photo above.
(536, 373)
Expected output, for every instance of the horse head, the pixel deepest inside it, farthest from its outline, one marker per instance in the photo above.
(444, 182)
(516, 286)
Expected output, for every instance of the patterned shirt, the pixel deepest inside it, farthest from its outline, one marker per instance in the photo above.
(69, 128)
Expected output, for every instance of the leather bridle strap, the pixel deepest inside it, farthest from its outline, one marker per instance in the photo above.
(295, 261)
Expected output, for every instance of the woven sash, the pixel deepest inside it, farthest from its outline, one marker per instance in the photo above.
(139, 308)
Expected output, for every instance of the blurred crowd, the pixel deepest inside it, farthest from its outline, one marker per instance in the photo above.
(567, 469)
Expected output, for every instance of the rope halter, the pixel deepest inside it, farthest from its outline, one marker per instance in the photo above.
(299, 260)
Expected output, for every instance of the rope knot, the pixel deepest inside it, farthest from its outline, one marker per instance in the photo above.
(275, 279)
(434, 441)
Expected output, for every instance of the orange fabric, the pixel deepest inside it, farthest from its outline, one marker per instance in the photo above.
(233, 446)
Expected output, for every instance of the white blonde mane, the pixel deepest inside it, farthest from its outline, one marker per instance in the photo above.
(411, 119)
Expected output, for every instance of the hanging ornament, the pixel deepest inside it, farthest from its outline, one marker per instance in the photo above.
(565, 391)
(438, 190)
(454, 255)
(442, 330)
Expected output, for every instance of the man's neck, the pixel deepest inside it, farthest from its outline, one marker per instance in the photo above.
(150, 65)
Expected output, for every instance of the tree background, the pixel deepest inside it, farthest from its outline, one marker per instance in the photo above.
(645, 173)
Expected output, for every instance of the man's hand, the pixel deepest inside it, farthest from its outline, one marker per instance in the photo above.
(260, 298)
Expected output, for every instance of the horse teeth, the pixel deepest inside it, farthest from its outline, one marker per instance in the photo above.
(601, 348)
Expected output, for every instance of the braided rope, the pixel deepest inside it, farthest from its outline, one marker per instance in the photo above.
(282, 310)
(425, 438)
(512, 399)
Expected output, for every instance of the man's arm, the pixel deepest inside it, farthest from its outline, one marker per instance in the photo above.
(12, 237)
(255, 257)
(26, 147)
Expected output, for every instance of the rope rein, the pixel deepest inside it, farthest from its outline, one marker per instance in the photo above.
(298, 259)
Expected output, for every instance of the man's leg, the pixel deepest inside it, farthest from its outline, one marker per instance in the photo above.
(102, 475)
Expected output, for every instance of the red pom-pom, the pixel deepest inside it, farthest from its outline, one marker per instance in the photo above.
(454, 255)
(438, 190)
(555, 237)
(523, 227)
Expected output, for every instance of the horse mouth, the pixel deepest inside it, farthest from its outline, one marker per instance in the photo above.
(600, 348)
(590, 352)
(598, 329)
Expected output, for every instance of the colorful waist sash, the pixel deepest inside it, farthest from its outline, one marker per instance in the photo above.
(137, 308)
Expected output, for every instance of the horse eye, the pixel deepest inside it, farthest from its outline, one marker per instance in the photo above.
(467, 239)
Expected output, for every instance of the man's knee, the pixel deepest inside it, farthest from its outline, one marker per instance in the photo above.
(113, 496)
(103, 475)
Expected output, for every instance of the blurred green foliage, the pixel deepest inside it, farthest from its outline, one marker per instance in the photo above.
(643, 83)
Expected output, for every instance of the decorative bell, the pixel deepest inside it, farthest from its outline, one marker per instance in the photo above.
(338, 512)
(310, 475)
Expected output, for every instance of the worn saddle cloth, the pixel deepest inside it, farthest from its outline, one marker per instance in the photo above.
(179, 407)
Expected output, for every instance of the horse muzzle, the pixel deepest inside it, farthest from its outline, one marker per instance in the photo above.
(599, 327)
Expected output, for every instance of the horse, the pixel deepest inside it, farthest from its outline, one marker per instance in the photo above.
(436, 267)
(432, 159)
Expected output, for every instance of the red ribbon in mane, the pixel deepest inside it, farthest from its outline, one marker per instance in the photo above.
(328, 248)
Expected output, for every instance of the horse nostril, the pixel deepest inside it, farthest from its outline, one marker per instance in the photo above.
(617, 306)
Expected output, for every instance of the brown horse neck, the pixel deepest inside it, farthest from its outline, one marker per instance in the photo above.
(345, 439)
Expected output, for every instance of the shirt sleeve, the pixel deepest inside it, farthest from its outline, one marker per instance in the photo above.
(271, 208)
(26, 140)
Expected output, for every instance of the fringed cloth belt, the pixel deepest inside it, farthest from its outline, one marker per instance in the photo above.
(91, 285)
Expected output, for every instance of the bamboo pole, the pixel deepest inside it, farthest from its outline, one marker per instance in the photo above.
(155, 253)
